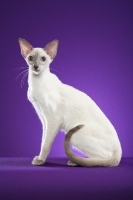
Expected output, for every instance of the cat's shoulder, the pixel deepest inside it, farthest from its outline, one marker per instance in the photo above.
(53, 78)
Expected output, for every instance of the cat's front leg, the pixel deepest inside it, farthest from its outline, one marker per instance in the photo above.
(37, 161)
(47, 141)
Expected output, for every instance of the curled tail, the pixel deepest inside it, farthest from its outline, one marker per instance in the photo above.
(113, 161)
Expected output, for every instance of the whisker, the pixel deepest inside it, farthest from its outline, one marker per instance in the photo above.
(23, 79)
(20, 68)
(21, 73)
(54, 70)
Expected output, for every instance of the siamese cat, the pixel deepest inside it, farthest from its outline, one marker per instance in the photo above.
(62, 107)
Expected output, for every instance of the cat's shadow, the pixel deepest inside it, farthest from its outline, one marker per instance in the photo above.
(18, 163)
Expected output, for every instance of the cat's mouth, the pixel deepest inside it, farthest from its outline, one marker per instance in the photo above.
(36, 72)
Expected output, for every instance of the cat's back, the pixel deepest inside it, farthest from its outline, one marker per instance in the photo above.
(74, 95)
(82, 105)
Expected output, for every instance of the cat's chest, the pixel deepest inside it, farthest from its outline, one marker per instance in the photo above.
(34, 94)
(45, 92)
(38, 95)
(46, 98)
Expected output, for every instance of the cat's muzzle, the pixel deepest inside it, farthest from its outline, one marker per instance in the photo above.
(36, 69)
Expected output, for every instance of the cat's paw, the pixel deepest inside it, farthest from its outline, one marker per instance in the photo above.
(70, 163)
(37, 161)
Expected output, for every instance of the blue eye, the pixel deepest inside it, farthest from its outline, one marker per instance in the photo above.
(43, 58)
(30, 58)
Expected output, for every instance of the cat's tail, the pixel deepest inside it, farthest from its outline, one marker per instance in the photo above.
(113, 161)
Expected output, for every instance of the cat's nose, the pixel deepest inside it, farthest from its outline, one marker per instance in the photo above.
(36, 67)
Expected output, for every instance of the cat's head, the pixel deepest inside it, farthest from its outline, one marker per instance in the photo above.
(38, 59)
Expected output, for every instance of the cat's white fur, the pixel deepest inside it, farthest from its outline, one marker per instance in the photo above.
(62, 107)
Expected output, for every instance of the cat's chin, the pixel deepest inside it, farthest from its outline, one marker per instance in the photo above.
(36, 73)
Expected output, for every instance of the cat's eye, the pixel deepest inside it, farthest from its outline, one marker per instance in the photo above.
(30, 58)
(43, 59)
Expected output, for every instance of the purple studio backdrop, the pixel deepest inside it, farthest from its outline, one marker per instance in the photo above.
(95, 55)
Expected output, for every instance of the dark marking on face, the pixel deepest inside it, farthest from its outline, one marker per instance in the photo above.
(43, 58)
(30, 58)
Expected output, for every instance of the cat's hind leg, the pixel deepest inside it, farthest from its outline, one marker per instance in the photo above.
(70, 163)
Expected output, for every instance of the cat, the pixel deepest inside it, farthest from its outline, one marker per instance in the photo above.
(62, 107)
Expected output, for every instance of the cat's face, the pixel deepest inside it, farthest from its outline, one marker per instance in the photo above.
(38, 59)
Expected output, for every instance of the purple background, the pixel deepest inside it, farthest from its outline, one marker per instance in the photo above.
(95, 55)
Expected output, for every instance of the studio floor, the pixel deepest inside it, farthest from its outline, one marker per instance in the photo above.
(55, 180)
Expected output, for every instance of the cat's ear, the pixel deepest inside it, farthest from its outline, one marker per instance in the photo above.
(51, 48)
(25, 47)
